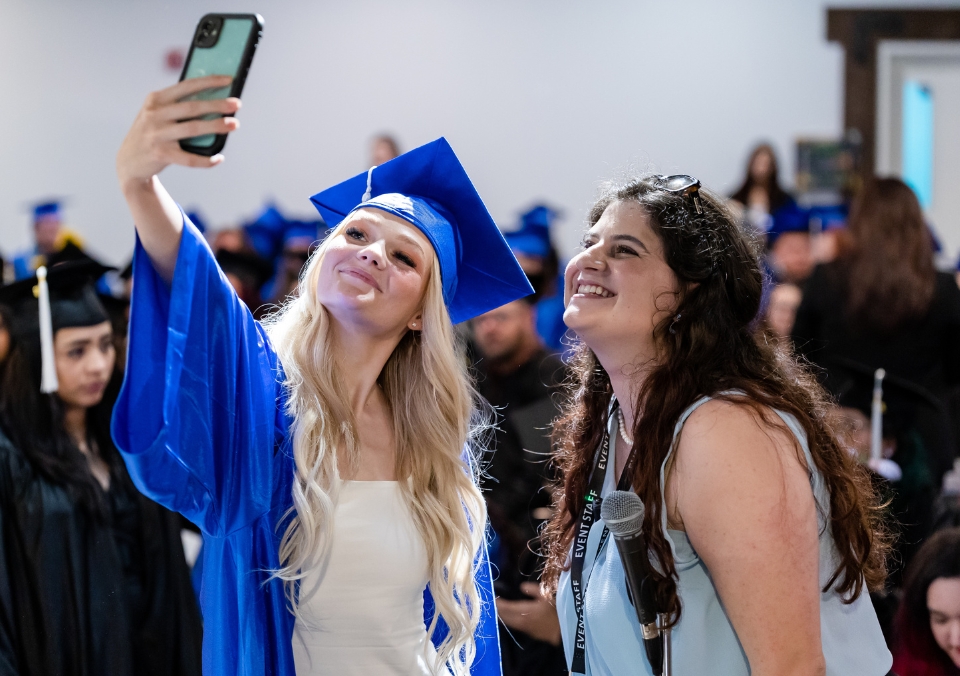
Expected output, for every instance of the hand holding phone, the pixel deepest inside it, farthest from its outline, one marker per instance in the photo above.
(223, 44)
(153, 141)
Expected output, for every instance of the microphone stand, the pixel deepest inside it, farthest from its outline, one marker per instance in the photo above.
(667, 648)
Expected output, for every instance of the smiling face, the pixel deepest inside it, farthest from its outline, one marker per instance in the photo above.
(85, 356)
(618, 288)
(943, 602)
(374, 273)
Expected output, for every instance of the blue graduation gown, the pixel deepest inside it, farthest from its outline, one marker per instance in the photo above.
(201, 425)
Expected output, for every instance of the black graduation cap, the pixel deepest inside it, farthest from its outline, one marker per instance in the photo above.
(852, 383)
(59, 297)
(907, 406)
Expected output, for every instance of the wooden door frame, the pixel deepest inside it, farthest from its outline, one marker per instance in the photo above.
(859, 31)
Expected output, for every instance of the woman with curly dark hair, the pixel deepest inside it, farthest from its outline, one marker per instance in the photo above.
(764, 534)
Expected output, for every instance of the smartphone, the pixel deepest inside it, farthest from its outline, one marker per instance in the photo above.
(223, 44)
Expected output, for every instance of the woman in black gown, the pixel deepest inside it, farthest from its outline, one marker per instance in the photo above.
(883, 304)
(92, 574)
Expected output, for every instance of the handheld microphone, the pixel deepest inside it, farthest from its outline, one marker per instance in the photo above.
(622, 512)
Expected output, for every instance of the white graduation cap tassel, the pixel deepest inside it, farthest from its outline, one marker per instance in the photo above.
(885, 467)
(876, 416)
(367, 195)
(48, 379)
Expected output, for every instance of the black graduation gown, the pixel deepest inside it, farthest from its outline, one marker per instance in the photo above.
(87, 597)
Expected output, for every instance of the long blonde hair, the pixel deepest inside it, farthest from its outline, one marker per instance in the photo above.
(431, 401)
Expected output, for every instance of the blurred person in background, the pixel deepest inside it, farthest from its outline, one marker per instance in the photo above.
(47, 232)
(760, 196)
(229, 239)
(882, 304)
(92, 574)
(299, 240)
(518, 375)
(928, 621)
(383, 148)
(790, 247)
(247, 273)
(6, 321)
(532, 244)
(781, 310)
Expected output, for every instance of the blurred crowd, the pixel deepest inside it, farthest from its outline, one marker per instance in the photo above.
(855, 287)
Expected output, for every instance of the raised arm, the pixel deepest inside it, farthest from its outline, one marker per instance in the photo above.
(151, 145)
(198, 418)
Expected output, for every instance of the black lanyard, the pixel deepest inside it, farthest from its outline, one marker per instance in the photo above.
(590, 513)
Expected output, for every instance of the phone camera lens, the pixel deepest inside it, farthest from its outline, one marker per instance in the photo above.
(208, 32)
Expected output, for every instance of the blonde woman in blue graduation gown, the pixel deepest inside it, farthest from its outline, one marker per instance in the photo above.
(323, 455)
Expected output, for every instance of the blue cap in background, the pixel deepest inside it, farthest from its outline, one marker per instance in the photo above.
(266, 231)
(197, 219)
(532, 238)
(429, 188)
(47, 209)
(301, 232)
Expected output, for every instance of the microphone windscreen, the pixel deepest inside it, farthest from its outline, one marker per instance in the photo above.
(622, 512)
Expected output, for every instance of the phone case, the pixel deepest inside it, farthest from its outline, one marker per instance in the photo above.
(236, 40)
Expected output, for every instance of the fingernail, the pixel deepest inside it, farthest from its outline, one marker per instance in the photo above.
(217, 159)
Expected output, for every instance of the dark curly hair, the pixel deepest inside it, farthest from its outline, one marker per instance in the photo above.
(711, 350)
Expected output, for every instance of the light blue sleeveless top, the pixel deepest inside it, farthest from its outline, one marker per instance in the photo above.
(704, 641)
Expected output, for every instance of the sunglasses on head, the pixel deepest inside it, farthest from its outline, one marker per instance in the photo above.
(680, 184)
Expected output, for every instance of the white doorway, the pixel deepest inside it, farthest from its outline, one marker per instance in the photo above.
(918, 99)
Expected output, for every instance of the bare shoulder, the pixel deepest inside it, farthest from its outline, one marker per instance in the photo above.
(733, 451)
(727, 430)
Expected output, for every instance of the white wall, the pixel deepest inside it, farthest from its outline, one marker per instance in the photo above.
(541, 99)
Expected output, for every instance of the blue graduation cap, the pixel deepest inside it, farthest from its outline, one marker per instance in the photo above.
(429, 188)
(266, 231)
(301, 232)
(46, 209)
(533, 236)
(829, 217)
(790, 218)
(197, 220)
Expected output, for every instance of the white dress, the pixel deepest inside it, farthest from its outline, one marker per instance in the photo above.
(363, 609)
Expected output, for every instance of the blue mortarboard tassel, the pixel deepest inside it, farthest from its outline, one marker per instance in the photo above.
(429, 188)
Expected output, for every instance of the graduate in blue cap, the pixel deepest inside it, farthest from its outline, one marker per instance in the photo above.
(532, 245)
(326, 456)
(47, 224)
